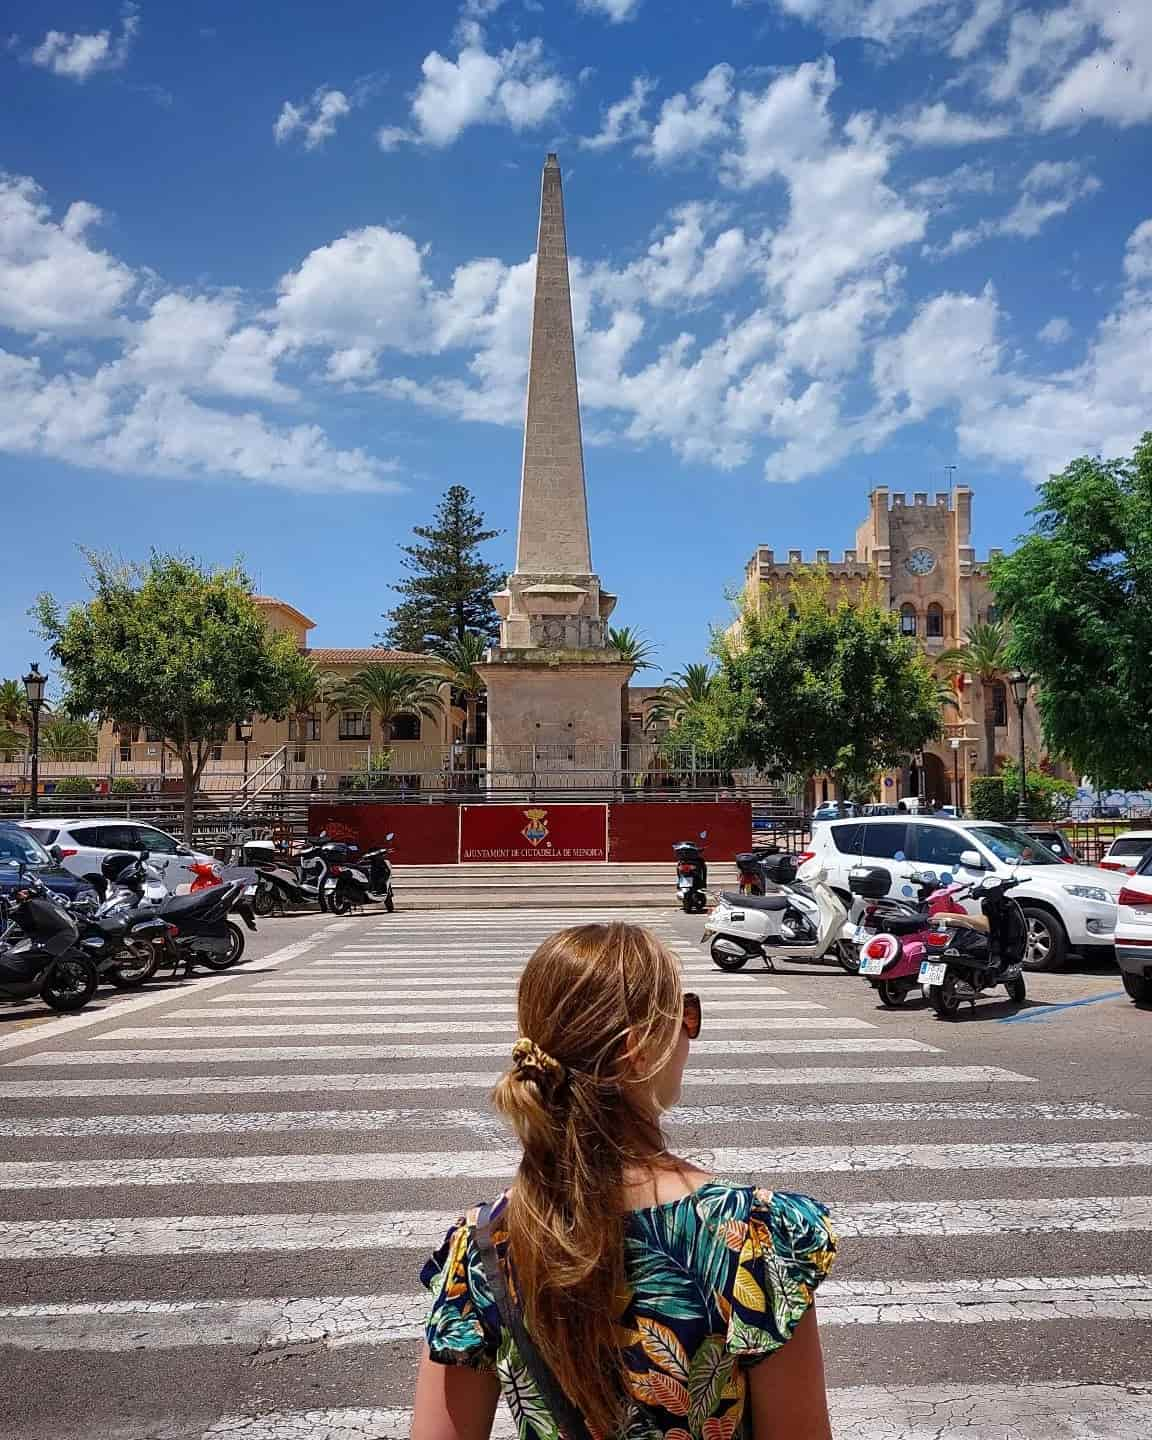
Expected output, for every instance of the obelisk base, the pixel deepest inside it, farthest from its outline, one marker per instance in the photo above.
(554, 719)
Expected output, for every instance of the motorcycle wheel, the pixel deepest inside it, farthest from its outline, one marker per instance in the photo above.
(891, 994)
(71, 985)
(389, 903)
(264, 903)
(848, 956)
(340, 902)
(687, 904)
(944, 999)
(1017, 990)
(138, 970)
(725, 961)
(235, 950)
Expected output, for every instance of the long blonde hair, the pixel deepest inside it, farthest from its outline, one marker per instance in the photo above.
(600, 1009)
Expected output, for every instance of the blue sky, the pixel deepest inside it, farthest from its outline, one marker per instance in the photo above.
(265, 277)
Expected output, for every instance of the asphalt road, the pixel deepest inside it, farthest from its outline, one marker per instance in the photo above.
(215, 1196)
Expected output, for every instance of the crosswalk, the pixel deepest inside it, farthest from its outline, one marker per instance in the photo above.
(212, 1209)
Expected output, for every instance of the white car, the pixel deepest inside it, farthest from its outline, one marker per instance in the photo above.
(1134, 932)
(85, 842)
(1069, 907)
(1126, 851)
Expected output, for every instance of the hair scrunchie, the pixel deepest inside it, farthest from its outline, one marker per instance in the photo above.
(531, 1063)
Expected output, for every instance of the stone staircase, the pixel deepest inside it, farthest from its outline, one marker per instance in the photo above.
(548, 885)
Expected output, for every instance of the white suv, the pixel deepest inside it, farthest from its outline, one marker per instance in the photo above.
(84, 843)
(1068, 906)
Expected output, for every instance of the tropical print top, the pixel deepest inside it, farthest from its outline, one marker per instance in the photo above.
(720, 1279)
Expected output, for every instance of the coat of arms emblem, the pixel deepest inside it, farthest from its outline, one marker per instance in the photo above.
(536, 831)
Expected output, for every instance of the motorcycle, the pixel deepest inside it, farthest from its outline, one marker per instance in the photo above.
(764, 868)
(346, 885)
(691, 876)
(807, 915)
(379, 865)
(44, 958)
(966, 958)
(126, 947)
(199, 930)
(893, 932)
(284, 883)
(207, 875)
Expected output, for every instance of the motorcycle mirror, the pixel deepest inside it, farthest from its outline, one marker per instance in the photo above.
(56, 853)
(391, 835)
(703, 834)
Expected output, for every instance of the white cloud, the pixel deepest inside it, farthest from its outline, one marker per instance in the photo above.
(315, 119)
(624, 121)
(972, 34)
(942, 190)
(1081, 61)
(51, 279)
(1138, 258)
(515, 87)
(1055, 331)
(198, 343)
(616, 10)
(950, 346)
(76, 56)
(893, 22)
(784, 125)
(938, 125)
(1049, 190)
(689, 122)
(684, 266)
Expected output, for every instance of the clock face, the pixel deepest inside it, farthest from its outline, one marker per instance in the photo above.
(920, 562)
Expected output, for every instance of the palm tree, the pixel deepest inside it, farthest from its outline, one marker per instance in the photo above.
(682, 689)
(13, 708)
(636, 650)
(10, 741)
(464, 657)
(63, 737)
(984, 655)
(313, 693)
(389, 691)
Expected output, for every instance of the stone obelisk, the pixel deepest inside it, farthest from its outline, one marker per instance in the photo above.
(554, 686)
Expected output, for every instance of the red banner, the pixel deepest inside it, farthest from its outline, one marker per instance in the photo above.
(534, 832)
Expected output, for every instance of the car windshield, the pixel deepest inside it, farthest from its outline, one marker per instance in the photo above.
(1014, 846)
(18, 845)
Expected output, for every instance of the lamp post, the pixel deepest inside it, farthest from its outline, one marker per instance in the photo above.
(245, 730)
(956, 797)
(1021, 683)
(921, 779)
(34, 684)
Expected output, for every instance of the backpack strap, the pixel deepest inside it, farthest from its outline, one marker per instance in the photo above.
(567, 1417)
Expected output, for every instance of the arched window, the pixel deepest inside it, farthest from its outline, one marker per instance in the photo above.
(999, 698)
(907, 619)
(405, 727)
(935, 622)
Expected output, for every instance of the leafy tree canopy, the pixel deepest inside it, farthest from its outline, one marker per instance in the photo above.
(174, 646)
(447, 591)
(820, 685)
(1078, 593)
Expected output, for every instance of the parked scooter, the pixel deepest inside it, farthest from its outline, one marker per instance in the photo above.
(378, 863)
(893, 932)
(691, 876)
(39, 949)
(126, 945)
(291, 884)
(199, 930)
(346, 885)
(764, 868)
(966, 958)
(801, 922)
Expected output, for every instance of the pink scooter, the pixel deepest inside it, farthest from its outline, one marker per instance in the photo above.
(890, 961)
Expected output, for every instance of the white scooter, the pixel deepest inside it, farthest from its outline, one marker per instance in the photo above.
(801, 922)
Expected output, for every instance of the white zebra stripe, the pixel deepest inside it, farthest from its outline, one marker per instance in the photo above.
(338, 1320)
(241, 1054)
(1051, 1410)
(296, 1082)
(327, 1009)
(376, 990)
(499, 1163)
(424, 1229)
(487, 1123)
(176, 1030)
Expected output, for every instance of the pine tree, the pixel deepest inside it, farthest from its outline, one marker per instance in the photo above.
(447, 592)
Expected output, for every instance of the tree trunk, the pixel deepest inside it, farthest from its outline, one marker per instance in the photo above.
(188, 764)
(989, 736)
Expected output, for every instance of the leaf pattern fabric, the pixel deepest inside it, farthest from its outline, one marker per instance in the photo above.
(719, 1280)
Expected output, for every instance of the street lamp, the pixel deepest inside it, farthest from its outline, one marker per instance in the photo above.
(1021, 683)
(34, 684)
(245, 731)
(956, 800)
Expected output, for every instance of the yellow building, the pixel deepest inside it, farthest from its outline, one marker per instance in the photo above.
(917, 554)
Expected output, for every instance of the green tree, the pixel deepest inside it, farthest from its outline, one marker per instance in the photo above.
(987, 657)
(388, 691)
(173, 646)
(634, 649)
(66, 737)
(1078, 592)
(311, 691)
(465, 661)
(13, 706)
(826, 686)
(681, 691)
(447, 591)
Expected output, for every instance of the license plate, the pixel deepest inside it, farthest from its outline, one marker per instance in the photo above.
(683, 885)
(932, 974)
(249, 890)
(872, 965)
(862, 935)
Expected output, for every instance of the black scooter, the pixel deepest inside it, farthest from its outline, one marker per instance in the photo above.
(963, 961)
(691, 876)
(45, 959)
(198, 928)
(378, 864)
